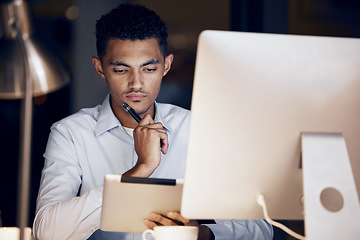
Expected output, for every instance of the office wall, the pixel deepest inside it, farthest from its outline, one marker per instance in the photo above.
(88, 89)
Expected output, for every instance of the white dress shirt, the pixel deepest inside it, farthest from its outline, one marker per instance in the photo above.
(86, 146)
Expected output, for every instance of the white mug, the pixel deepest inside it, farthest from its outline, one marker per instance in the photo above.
(173, 233)
(13, 233)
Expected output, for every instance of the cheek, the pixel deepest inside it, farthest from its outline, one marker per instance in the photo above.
(156, 86)
(115, 82)
(156, 90)
(116, 88)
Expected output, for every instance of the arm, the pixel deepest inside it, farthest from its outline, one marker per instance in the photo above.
(256, 229)
(62, 178)
(74, 219)
(60, 213)
(150, 140)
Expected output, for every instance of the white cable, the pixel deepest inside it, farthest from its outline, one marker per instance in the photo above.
(261, 202)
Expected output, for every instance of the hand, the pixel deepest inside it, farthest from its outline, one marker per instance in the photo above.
(176, 219)
(150, 140)
(171, 219)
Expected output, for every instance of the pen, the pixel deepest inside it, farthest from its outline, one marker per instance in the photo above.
(132, 112)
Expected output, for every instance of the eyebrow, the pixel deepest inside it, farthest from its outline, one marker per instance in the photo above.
(119, 63)
(152, 61)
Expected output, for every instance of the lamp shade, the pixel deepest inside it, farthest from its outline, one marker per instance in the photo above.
(47, 72)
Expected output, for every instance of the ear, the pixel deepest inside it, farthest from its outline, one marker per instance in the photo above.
(98, 66)
(168, 61)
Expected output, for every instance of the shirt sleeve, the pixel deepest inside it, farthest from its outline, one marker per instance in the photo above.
(242, 230)
(60, 213)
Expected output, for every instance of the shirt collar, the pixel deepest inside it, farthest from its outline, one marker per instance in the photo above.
(106, 118)
(159, 117)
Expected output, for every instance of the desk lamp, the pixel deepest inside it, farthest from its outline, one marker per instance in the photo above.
(27, 69)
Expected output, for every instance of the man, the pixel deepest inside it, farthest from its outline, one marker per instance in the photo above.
(82, 148)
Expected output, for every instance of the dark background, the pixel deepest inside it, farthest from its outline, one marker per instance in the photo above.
(67, 27)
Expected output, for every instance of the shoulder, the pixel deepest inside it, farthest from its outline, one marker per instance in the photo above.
(84, 118)
(173, 117)
(169, 110)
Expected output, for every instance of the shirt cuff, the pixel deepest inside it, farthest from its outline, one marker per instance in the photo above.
(220, 231)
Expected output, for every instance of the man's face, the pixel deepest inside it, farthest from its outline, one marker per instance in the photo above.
(133, 71)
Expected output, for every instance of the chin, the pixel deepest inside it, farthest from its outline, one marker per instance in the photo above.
(144, 110)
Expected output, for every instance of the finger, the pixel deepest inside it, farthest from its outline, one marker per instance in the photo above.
(164, 143)
(149, 122)
(156, 128)
(161, 220)
(178, 217)
(150, 224)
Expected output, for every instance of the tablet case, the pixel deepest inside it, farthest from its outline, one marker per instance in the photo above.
(128, 201)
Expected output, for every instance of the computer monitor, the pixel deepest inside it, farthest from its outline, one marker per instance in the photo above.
(253, 96)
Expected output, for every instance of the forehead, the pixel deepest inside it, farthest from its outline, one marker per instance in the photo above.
(128, 50)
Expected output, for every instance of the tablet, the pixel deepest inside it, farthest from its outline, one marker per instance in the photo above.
(127, 201)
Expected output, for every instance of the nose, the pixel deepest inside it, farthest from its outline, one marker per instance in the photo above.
(136, 81)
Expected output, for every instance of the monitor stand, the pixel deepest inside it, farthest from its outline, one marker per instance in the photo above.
(332, 209)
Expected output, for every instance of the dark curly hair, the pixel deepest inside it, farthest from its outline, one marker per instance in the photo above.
(130, 22)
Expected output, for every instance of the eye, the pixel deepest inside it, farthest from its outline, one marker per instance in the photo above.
(120, 70)
(150, 69)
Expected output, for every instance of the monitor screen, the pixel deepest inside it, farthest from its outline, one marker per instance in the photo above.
(254, 94)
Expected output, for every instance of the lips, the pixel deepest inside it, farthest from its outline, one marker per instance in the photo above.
(135, 96)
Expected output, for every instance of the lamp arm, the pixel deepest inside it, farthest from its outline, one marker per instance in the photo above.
(25, 140)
